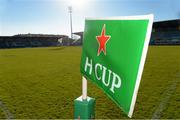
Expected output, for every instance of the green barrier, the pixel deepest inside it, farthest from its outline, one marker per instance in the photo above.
(84, 109)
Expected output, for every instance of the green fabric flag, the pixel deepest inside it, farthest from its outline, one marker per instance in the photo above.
(113, 56)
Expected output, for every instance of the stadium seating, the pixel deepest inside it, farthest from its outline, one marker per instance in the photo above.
(166, 33)
(18, 41)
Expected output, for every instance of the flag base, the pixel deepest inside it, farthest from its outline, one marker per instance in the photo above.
(84, 109)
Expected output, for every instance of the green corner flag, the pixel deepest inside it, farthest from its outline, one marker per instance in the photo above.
(113, 56)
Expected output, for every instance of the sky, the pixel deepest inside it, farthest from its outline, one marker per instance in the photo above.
(52, 17)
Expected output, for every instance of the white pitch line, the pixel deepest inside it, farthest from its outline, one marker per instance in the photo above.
(166, 97)
(8, 114)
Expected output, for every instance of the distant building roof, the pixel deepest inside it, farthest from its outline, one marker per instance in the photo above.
(169, 25)
(39, 35)
(78, 33)
(35, 35)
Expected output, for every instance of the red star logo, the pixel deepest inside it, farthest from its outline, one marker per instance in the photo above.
(102, 40)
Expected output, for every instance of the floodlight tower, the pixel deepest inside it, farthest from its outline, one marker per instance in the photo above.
(70, 13)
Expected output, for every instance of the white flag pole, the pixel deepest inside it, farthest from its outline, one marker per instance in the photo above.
(84, 106)
(84, 88)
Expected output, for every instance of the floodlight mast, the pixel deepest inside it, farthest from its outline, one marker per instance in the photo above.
(70, 13)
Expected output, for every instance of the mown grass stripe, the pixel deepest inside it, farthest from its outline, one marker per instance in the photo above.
(8, 114)
(166, 97)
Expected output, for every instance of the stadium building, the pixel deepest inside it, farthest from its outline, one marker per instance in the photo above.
(166, 33)
(32, 40)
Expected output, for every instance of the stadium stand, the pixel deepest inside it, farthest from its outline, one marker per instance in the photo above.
(166, 33)
(32, 40)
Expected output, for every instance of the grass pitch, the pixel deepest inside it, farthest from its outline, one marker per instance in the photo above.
(43, 82)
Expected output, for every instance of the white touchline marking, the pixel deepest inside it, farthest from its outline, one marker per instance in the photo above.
(166, 97)
(8, 114)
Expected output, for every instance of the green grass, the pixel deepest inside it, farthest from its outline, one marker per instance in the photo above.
(43, 82)
(2, 114)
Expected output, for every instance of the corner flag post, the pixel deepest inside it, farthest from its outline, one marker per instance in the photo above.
(84, 106)
(84, 88)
